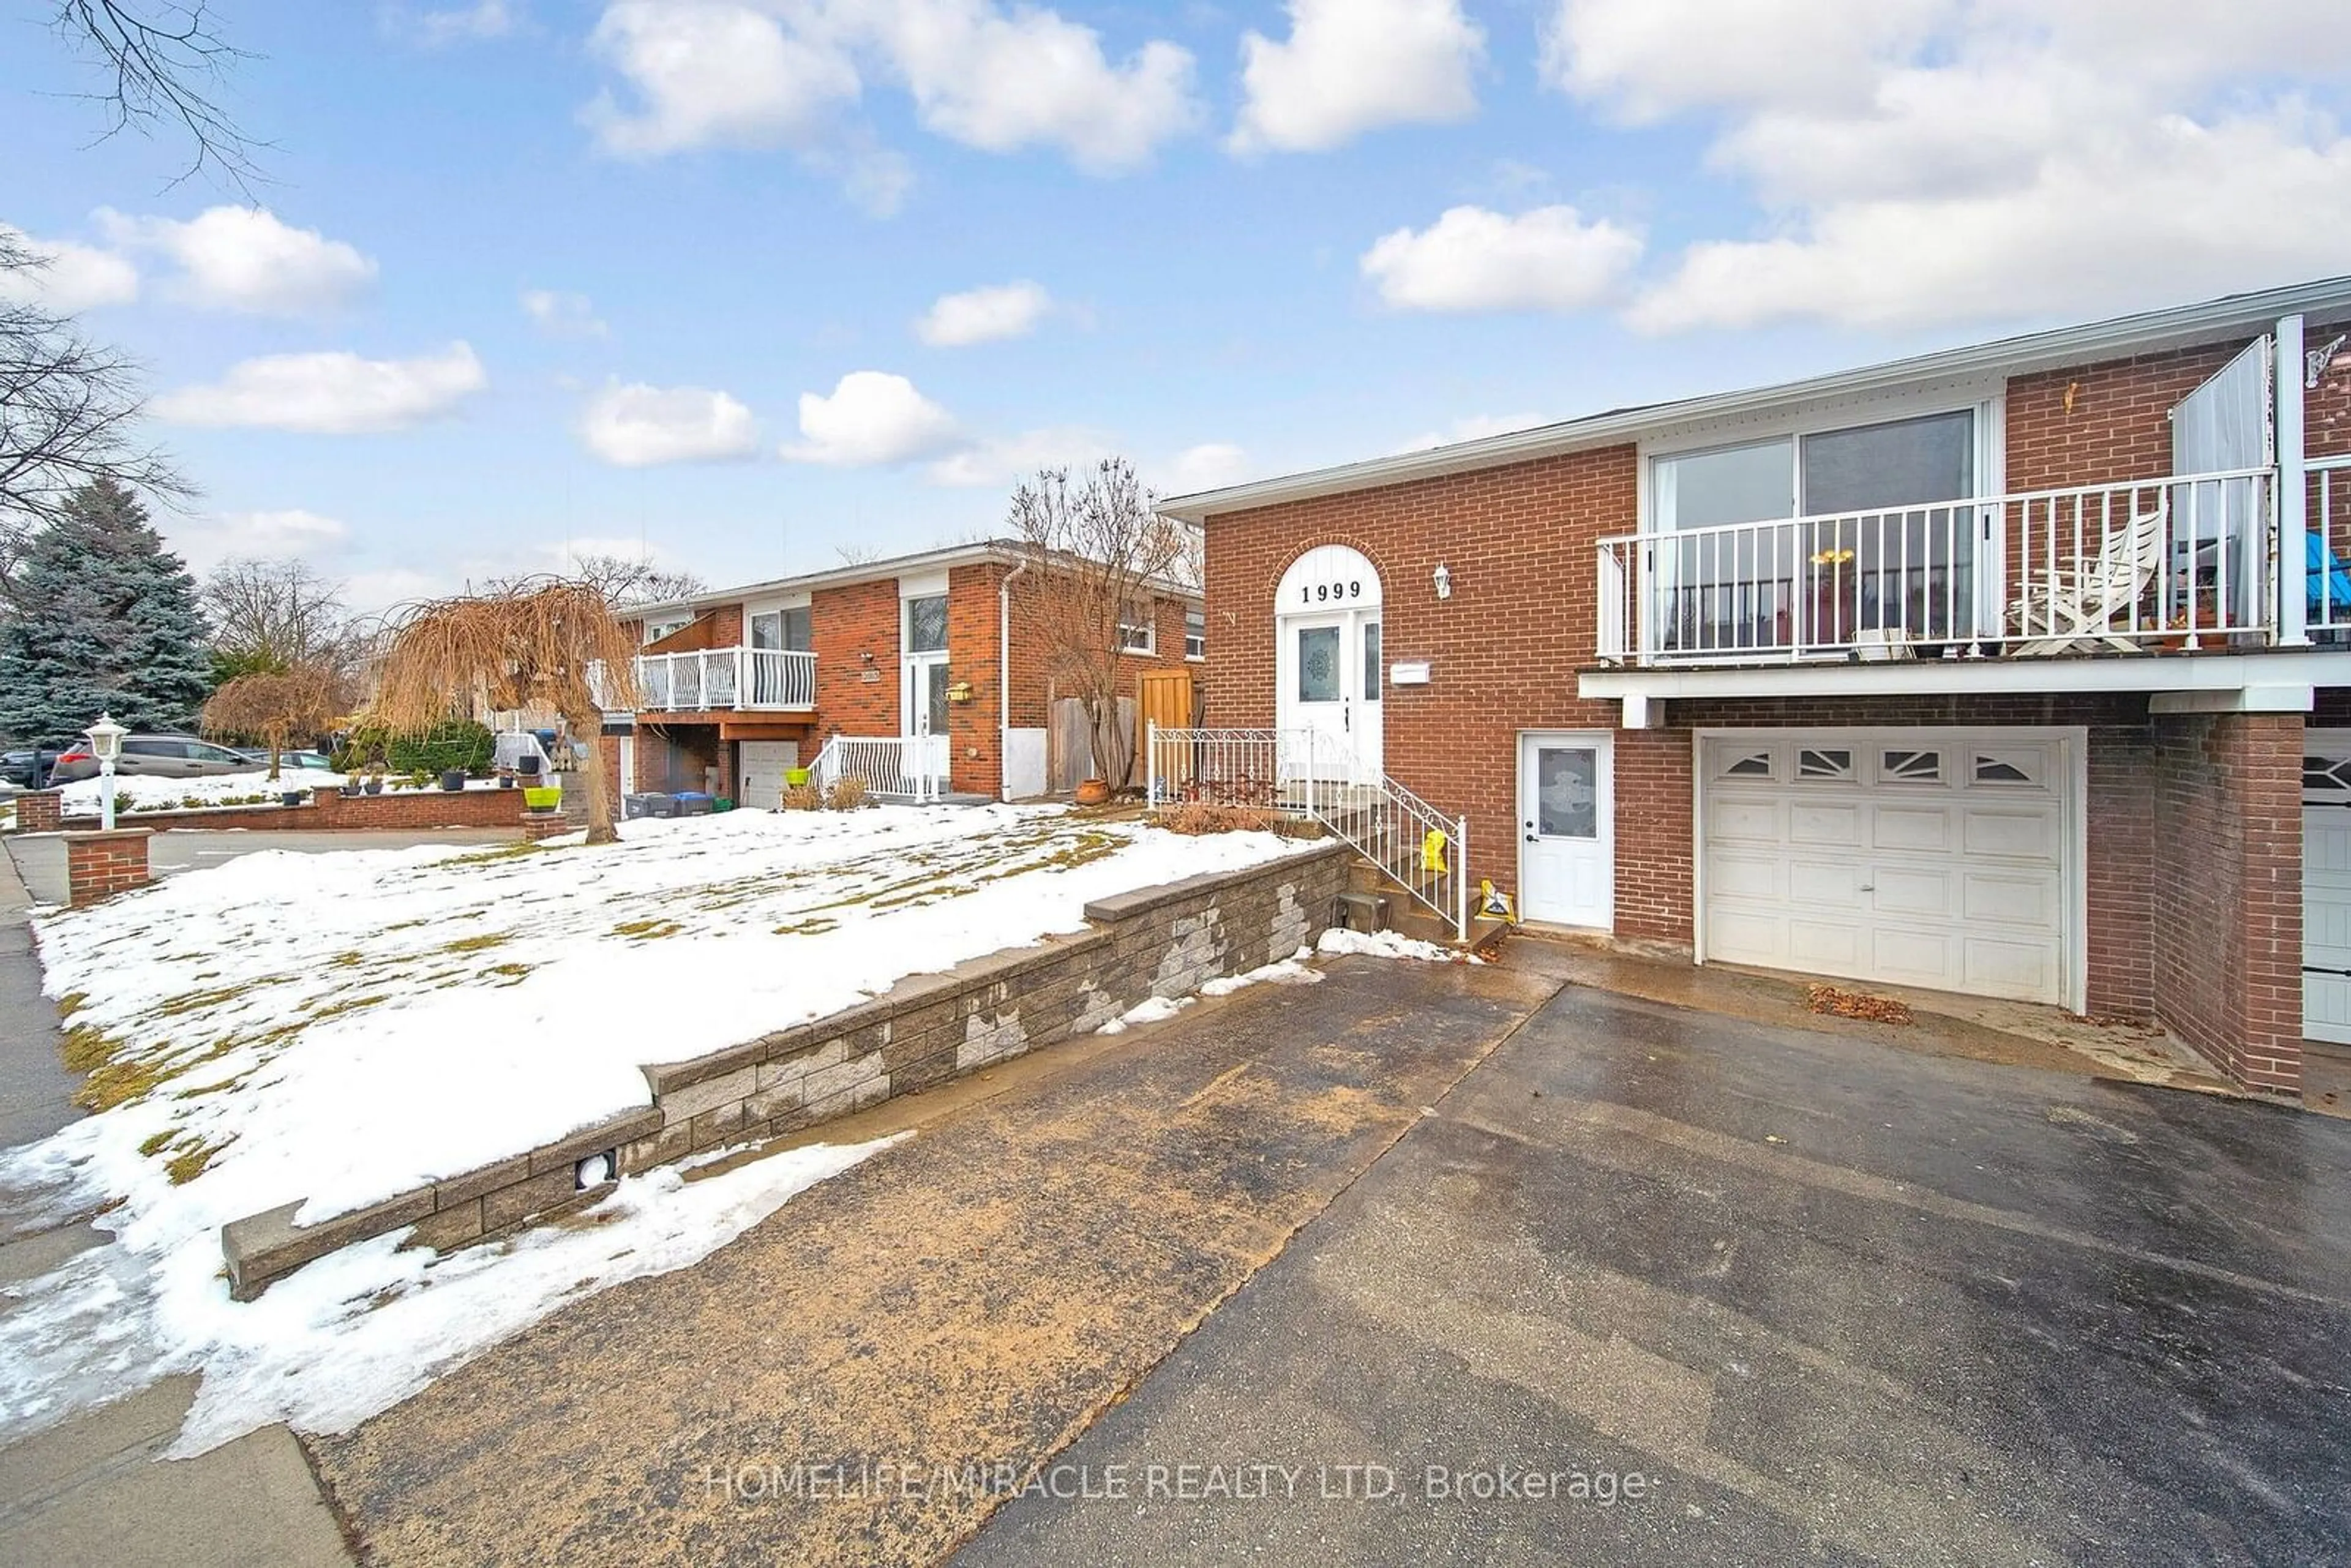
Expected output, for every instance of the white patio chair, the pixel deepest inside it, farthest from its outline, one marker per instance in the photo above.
(2079, 607)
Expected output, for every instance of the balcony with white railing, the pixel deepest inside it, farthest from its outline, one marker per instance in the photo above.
(2163, 565)
(721, 679)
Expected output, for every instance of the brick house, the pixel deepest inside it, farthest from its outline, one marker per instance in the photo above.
(1941, 672)
(735, 685)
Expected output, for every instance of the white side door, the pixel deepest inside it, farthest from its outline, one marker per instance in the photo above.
(2327, 885)
(1567, 809)
(923, 708)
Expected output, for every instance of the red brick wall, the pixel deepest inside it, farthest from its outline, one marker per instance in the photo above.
(2228, 946)
(975, 743)
(845, 624)
(99, 865)
(1503, 650)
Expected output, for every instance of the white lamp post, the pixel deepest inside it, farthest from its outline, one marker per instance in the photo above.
(106, 745)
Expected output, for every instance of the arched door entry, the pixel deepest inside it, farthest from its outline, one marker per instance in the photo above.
(1328, 674)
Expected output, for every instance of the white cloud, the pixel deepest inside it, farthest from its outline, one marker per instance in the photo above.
(245, 258)
(560, 315)
(1352, 65)
(1928, 160)
(483, 20)
(1473, 427)
(984, 315)
(76, 277)
(332, 393)
(1208, 466)
(1473, 258)
(205, 542)
(871, 419)
(765, 73)
(1002, 81)
(639, 426)
(715, 73)
(1004, 460)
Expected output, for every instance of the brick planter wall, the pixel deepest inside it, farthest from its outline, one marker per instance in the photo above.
(99, 865)
(328, 811)
(1155, 941)
(40, 811)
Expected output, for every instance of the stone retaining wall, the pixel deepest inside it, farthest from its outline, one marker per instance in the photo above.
(1162, 941)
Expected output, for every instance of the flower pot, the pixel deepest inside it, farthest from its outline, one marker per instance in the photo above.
(373, 786)
(506, 781)
(452, 779)
(538, 798)
(1094, 792)
(796, 777)
(526, 766)
(349, 791)
(293, 797)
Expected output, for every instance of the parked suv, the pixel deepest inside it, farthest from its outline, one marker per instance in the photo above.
(153, 757)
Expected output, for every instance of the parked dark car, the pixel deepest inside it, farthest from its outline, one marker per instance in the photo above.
(153, 757)
(16, 766)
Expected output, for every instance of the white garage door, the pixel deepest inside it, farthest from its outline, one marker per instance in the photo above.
(762, 765)
(2327, 885)
(1915, 857)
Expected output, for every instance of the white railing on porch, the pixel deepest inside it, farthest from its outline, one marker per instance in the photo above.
(727, 679)
(888, 766)
(2327, 551)
(2174, 561)
(1308, 773)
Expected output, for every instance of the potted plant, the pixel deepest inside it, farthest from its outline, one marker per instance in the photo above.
(1094, 792)
(452, 779)
(506, 778)
(372, 783)
(542, 798)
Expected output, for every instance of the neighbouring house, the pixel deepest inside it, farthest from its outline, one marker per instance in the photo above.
(2018, 670)
(932, 660)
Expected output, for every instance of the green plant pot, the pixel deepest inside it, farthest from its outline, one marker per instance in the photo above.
(796, 777)
(539, 799)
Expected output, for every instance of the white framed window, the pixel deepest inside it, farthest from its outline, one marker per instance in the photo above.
(661, 627)
(1195, 631)
(1135, 632)
(927, 624)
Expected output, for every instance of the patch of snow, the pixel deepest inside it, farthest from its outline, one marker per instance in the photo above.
(141, 791)
(1389, 945)
(360, 1330)
(338, 1029)
(1288, 971)
(1150, 1009)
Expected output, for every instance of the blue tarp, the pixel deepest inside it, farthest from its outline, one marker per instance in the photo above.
(2326, 568)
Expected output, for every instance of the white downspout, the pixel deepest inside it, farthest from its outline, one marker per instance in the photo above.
(1004, 682)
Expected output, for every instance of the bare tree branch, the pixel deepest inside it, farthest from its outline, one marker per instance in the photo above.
(276, 615)
(69, 411)
(166, 66)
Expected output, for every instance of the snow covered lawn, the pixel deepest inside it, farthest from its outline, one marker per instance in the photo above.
(341, 1027)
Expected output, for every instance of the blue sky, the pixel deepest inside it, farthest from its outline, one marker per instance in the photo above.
(1225, 240)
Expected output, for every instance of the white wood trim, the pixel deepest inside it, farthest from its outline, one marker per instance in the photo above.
(922, 585)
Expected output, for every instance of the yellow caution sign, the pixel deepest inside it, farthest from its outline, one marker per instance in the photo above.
(1432, 852)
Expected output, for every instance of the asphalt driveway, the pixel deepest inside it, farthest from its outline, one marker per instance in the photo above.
(1657, 1287)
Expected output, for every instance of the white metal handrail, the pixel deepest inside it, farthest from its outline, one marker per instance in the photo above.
(2128, 564)
(728, 679)
(886, 765)
(1309, 774)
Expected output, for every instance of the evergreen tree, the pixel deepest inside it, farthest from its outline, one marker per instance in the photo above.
(104, 620)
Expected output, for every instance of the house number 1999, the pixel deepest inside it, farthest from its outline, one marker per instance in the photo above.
(1324, 592)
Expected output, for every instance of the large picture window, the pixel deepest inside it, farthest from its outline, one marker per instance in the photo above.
(1816, 538)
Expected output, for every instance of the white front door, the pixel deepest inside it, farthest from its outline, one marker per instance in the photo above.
(1567, 811)
(1932, 858)
(1328, 676)
(923, 708)
(628, 745)
(2327, 885)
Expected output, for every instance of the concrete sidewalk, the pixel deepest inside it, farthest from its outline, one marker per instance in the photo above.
(91, 1490)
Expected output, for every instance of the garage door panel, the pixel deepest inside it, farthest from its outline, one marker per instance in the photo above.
(2032, 902)
(2028, 834)
(1734, 875)
(1826, 884)
(1950, 877)
(1903, 890)
(1925, 829)
(1729, 821)
(762, 764)
(2327, 919)
(1817, 823)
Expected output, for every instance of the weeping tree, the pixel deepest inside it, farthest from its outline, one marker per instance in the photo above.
(274, 706)
(548, 640)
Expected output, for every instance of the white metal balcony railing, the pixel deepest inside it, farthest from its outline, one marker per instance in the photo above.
(2327, 555)
(1310, 774)
(722, 679)
(2186, 561)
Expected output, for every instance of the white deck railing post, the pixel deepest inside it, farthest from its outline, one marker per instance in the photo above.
(1151, 765)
